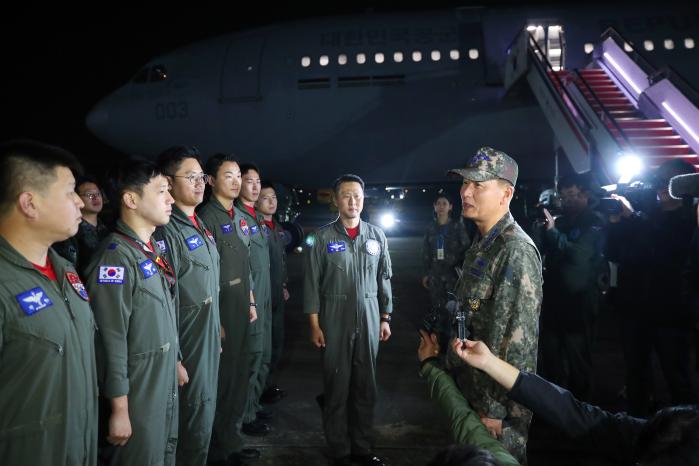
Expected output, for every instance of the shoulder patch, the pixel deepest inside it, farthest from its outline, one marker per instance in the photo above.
(110, 274)
(77, 285)
(148, 268)
(33, 301)
(112, 246)
(244, 227)
(337, 246)
(194, 242)
(226, 228)
(253, 230)
(373, 247)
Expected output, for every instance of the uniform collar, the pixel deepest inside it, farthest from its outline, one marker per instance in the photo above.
(243, 209)
(13, 256)
(215, 203)
(503, 224)
(181, 217)
(125, 229)
(340, 228)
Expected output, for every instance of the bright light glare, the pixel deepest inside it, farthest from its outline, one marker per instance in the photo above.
(628, 166)
(622, 72)
(681, 121)
(388, 220)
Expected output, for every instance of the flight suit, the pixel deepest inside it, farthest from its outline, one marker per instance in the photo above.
(501, 288)
(195, 260)
(48, 380)
(348, 284)
(261, 329)
(137, 343)
(234, 369)
(279, 278)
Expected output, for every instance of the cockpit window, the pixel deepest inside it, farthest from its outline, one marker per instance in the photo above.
(158, 73)
(151, 74)
(141, 76)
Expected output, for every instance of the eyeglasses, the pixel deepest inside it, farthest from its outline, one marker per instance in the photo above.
(92, 195)
(194, 179)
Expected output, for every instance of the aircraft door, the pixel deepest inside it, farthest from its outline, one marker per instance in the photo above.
(551, 41)
(240, 78)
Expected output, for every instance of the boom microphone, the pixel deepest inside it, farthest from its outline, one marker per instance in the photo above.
(682, 186)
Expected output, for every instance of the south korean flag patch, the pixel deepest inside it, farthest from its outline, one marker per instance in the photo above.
(373, 247)
(110, 275)
(244, 227)
(77, 285)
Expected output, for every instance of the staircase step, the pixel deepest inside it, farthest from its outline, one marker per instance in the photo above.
(663, 151)
(640, 123)
(608, 101)
(645, 132)
(616, 114)
(649, 141)
(655, 160)
(613, 107)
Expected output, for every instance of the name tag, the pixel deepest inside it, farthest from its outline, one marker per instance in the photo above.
(337, 246)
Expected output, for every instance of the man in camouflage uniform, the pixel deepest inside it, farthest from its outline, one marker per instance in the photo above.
(443, 248)
(501, 288)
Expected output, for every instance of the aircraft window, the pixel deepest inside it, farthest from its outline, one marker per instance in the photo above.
(669, 44)
(627, 47)
(361, 58)
(324, 60)
(473, 54)
(688, 43)
(436, 55)
(417, 56)
(398, 57)
(158, 73)
(306, 62)
(589, 47)
(378, 57)
(648, 45)
(454, 54)
(342, 59)
(141, 76)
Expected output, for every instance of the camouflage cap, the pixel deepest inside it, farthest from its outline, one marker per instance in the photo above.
(489, 164)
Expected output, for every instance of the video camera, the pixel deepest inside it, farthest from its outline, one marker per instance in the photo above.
(458, 319)
(641, 194)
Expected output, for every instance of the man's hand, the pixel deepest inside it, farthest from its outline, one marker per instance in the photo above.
(494, 426)
(119, 422)
(286, 294)
(473, 353)
(317, 337)
(182, 376)
(385, 331)
(550, 222)
(626, 209)
(426, 282)
(429, 347)
(253, 314)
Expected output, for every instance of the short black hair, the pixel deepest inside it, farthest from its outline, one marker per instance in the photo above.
(170, 159)
(246, 167)
(85, 178)
(215, 161)
(129, 175)
(442, 196)
(464, 455)
(30, 164)
(266, 185)
(582, 181)
(670, 437)
(347, 178)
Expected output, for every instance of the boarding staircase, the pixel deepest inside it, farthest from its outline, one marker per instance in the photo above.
(617, 105)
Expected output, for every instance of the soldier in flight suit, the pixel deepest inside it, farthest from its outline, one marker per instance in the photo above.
(133, 297)
(261, 330)
(48, 388)
(347, 294)
(189, 247)
(501, 285)
(237, 306)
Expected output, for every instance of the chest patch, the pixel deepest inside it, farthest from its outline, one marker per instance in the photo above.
(253, 230)
(373, 247)
(33, 301)
(210, 236)
(226, 228)
(244, 227)
(337, 246)
(148, 268)
(77, 285)
(110, 274)
(162, 245)
(194, 242)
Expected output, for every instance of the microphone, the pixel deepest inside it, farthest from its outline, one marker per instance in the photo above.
(682, 186)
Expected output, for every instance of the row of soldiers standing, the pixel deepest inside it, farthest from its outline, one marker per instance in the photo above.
(178, 298)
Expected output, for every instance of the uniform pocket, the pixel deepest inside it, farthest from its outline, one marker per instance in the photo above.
(35, 339)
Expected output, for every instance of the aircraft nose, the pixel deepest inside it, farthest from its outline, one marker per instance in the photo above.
(97, 119)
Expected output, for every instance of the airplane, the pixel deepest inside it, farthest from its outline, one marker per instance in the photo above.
(396, 98)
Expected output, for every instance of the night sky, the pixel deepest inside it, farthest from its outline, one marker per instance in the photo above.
(56, 64)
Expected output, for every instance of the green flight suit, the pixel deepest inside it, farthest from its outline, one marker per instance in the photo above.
(347, 283)
(501, 287)
(48, 380)
(261, 329)
(279, 278)
(137, 344)
(195, 260)
(234, 370)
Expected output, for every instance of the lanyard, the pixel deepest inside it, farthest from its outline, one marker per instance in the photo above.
(159, 261)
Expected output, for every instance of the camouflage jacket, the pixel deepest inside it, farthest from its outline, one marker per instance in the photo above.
(501, 285)
(453, 238)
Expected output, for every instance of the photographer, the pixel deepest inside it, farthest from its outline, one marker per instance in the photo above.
(651, 248)
(572, 246)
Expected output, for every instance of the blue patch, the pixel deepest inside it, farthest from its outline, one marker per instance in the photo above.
(148, 268)
(574, 234)
(227, 228)
(490, 237)
(34, 300)
(337, 246)
(110, 274)
(194, 242)
(478, 157)
(162, 245)
(112, 246)
(253, 229)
